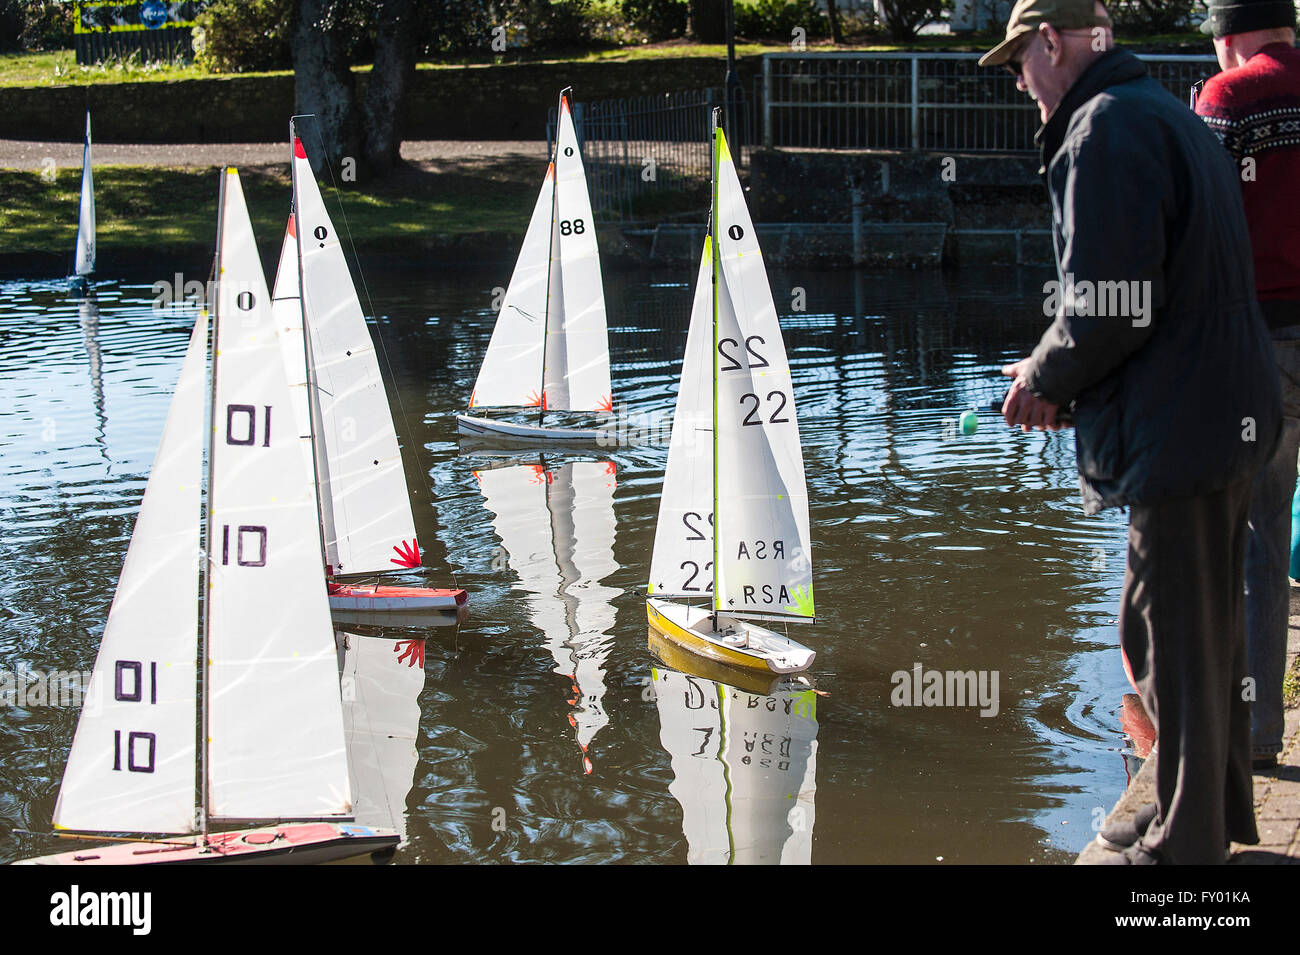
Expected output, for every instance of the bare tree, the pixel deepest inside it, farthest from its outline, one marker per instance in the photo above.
(324, 84)
(396, 45)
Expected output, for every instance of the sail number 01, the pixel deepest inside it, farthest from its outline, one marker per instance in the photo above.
(130, 686)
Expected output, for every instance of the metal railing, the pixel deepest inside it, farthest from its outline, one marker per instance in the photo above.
(647, 146)
(643, 154)
(919, 101)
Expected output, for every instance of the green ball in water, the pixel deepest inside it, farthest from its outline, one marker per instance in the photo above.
(969, 422)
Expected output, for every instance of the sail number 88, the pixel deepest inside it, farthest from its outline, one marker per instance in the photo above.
(572, 227)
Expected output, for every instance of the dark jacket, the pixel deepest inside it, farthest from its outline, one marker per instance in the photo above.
(1177, 395)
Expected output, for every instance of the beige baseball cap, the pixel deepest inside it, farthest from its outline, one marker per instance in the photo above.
(1026, 16)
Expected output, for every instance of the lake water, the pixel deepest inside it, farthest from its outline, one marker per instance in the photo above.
(546, 730)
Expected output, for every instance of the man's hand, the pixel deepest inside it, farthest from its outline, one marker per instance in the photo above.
(1022, 407)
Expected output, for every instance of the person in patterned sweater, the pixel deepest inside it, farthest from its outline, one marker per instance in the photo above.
(1254, 107)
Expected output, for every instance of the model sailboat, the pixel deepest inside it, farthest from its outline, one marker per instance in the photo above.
(733, 516)
(85, 262)
(550, 348)
(264, 723)
(343, 417)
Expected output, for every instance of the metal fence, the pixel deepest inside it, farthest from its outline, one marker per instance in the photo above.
(642, 154)
(924, 101)
(648, 145)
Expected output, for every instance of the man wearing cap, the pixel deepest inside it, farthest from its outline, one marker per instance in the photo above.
(1175, 404)
(1254, 107)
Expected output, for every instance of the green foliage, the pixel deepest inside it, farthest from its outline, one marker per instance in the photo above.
(1151, 16)
(35, 25)
(903, 18)
(238, 36)
(776, 19)
(658, 19)
(555, 24)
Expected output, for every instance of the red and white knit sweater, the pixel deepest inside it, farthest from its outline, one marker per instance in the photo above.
(1255, 110)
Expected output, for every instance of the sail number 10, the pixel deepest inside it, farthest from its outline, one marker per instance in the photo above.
(130, 685)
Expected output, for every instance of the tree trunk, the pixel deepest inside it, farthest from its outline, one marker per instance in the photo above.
(395, 51)
(708, 21)
(833, 14)
(323, 86)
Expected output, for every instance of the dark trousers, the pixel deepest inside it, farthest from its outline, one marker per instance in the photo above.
(1182, 627)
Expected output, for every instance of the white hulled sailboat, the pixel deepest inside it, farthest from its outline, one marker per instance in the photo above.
(550, 347)
(343, 417)
(261, 719)
(85, 255)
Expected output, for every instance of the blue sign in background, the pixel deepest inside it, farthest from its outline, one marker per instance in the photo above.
(153, 13)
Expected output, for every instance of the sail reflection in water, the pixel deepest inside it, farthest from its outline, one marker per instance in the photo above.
(380, 679)
(556, 524)
(88, 319)
(744, 767)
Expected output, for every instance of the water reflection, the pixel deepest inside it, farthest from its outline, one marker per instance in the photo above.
(381, 677)
(88, 318)
(955, 551)
(744, 765)
(556, 525)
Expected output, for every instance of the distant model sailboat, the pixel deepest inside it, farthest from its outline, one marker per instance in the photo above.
(85, 261)
(343, 417)
(266, 706)
(550, 347)
(733, 516)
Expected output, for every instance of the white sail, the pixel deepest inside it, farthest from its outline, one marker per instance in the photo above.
(511, 375)
(550, 346)
(86, 218)
(764, 547)
(131, 767)
(286, 312)
(744, 769)
(584, 384)
(682, 562)
(381, 678)
(370, 527)
(275, 722)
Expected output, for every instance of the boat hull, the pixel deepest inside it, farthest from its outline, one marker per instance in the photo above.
(736, 643)
(492, 429)
(289, 844)
(378, 598)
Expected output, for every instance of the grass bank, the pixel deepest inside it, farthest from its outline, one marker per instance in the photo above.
(152, 216)
(59, 68)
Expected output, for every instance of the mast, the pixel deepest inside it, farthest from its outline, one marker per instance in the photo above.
(207, 520)
(312, 424)
(713, 358)
(550, 248)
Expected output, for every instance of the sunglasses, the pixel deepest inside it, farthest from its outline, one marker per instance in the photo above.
(1016, 63)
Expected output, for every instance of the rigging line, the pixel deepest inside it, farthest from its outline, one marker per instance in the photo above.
(416, 445)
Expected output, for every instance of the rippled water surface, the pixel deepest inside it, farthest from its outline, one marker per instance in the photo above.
(547, 731)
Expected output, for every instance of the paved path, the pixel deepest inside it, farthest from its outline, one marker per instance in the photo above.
(25, 154)
(1277, 792)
